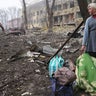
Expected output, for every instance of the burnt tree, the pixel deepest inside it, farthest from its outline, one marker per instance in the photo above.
(49, 9)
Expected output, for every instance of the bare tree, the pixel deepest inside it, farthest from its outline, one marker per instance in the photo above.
(49, 8)
(11, 17)
(25, 14)
(3, 18)
(83, 10)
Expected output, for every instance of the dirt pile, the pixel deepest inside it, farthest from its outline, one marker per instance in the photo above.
(24, 77)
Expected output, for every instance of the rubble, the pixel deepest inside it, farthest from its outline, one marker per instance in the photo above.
(28, 76)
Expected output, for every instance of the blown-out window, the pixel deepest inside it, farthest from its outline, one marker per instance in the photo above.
(71, 4)
(65, 6)
(59, 7)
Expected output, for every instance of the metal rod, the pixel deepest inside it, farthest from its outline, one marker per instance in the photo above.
(66, 41)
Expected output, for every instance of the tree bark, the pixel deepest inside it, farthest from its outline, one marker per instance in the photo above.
(2, 27)
(25, 15)
(83, 8)
(50, 15)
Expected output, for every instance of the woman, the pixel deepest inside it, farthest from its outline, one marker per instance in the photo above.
(86, 63)
(89, 39)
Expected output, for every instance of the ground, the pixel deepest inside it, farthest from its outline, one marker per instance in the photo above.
(23, 77)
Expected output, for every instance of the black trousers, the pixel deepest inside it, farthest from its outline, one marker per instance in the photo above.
(93, 54)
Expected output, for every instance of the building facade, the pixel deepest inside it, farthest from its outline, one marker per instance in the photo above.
(14, 23)
(36, 15)
(65, 12)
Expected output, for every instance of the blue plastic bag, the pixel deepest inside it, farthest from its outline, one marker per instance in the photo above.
(55, 63)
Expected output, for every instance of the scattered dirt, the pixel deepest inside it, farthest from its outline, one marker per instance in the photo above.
(23, 77)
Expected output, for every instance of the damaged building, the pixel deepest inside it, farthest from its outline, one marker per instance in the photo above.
(36, 14)
(65, 13)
